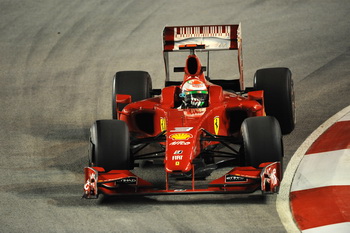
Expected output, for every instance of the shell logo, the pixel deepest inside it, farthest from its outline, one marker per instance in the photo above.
(181, 136)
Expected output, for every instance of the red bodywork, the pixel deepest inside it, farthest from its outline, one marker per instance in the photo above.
(184, 131)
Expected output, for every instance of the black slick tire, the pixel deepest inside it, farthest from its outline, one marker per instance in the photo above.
(138, 84)
(110, 145)
(277, 85)
(262, 140)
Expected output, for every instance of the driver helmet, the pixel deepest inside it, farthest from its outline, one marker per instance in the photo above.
(194, 94)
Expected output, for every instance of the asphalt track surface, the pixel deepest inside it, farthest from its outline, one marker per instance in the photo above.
(56, 68)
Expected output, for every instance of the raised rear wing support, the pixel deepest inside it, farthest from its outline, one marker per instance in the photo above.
(209, 37)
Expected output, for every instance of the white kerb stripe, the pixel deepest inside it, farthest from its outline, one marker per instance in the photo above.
(346, 117)
(343, 227)
(323, 169)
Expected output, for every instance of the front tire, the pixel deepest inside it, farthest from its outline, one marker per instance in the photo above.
(262, 140)
(110, 145)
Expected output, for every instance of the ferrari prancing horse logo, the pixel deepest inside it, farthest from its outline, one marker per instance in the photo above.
(216, 124)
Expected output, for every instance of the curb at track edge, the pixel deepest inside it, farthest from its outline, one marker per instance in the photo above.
(282, 201)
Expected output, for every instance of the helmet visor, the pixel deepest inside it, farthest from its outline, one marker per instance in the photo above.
(196, 99)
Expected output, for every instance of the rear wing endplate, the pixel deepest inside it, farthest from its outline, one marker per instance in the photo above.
(209, 37)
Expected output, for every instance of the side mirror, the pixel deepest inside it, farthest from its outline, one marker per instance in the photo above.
(256, 95)
(123, 99)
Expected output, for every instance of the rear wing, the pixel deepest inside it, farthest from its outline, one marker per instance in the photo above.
(209, 37)
(214, 37)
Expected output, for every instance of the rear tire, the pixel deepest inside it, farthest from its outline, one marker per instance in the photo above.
(110, 145)
(277, 85)
(138, 84)
(262, 140)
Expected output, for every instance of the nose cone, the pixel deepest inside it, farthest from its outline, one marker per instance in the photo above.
(178, 166)
(179, 153)
(182, 143)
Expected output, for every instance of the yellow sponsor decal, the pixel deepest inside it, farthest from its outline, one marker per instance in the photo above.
(181, 136)
(177, 163)
(162, 124)
(216, 124)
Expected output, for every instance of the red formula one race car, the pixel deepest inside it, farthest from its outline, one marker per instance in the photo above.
(194, 128)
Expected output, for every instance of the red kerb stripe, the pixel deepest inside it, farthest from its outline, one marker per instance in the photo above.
(337, 137)
(321, 206)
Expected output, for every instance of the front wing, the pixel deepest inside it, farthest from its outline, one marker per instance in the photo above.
(239, 180)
